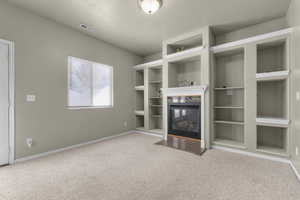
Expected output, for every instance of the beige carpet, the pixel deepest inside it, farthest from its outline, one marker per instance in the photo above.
(133, 168)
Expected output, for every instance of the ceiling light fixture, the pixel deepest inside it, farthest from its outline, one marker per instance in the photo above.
(150, 6)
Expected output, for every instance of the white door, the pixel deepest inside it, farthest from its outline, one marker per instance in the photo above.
(4, 103)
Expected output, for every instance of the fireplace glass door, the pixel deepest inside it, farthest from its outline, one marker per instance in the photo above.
(185, 119)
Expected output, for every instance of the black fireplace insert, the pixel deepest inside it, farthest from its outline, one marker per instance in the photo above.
(184, 118)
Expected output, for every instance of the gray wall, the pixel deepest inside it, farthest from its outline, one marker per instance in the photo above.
(42, 48)
(266, 27)
(293, 17)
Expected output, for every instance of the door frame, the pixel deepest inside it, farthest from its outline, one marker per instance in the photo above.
(11, 118)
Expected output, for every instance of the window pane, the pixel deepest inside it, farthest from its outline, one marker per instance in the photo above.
(80, 88)
(102, 85)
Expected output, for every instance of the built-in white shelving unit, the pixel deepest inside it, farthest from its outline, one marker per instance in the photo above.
(273, 97)
(155, 100)
(148, 97)
(228, 82)
(140, 99)
(248, 95)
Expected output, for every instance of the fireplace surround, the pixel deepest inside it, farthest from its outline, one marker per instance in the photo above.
(194, 92)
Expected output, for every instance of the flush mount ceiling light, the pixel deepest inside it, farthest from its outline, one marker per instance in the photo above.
(150, 6)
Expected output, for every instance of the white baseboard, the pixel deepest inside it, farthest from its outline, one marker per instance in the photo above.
(295, 170)
(69, 147)
(273, 158)
(147, 133)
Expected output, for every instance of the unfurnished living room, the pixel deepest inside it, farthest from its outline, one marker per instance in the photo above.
(149, 100)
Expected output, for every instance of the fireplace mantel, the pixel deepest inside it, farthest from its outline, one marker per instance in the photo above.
(184, 91)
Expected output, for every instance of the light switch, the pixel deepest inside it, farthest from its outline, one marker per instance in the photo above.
(30, 98)
(298, 96)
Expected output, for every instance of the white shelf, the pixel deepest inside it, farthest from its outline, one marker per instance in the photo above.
(273, 122)
(228, 122)
(139, 112)
(230, 88)
(153, 64)
(270, 76)
(156, 106)
(272, 150)
(155, 82)
(185, 55)
(239, 43)
(229, 107)
(139, 88)
(229, 143)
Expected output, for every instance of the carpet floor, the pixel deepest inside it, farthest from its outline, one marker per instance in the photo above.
(131, 167)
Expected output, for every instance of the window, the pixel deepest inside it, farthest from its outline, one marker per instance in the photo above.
(90, 84)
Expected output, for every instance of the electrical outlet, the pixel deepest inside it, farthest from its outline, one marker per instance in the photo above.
(297, 151)
(125, 124)
(297, 96)
(29, 142)
(30, 98)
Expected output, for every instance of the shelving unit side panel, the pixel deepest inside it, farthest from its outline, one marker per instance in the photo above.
(250, 96)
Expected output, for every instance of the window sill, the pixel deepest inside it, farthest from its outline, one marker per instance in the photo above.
(87, 107)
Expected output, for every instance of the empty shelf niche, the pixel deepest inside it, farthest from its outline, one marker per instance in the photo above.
(229, 98)
(155, 123)
(229, 69)
(184, 45)
(155, 75)
(229, 135)
(139, 78)
(155, 80)
(139, 101)
(272, 140)
(272, 99)
(271, 57)
(185, 72)
(234, 116)
(140, 122)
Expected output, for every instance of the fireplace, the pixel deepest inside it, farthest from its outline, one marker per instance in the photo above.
(184, 116)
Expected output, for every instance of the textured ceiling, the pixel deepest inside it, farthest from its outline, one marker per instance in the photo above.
(121, 23)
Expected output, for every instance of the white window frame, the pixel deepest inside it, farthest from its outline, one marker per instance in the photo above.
(69, 81)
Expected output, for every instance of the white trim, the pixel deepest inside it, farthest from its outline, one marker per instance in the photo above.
(295, 170)
(70, 147)
(272, 122)
(185, 91)
(69, 60)
(270, 76)
(273, 158)
(139, 112)
(11, 46)
(152, 64)
(257, 38)
(189, 53)
(148, 133)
